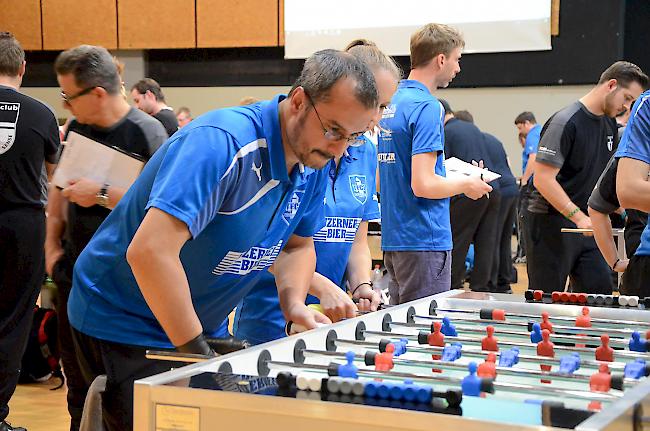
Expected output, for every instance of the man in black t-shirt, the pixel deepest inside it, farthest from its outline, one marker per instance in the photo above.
(576, 144)
(92, 92)
(29, 140)
(148, 97)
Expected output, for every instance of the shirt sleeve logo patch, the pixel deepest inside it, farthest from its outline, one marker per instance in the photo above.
(8, 120)
(292, 207)
(358, 188)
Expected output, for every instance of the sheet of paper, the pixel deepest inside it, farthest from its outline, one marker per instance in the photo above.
(456, 167)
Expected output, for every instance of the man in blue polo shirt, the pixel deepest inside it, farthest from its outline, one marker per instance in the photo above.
(528, 127)
(225, 198)
(633, 190)
(415, 231)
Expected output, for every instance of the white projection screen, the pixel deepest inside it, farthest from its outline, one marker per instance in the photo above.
(487, 25)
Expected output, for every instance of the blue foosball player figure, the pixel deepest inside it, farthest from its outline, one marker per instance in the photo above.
(536, 333)
(636, 369)
(471, 384)
(448, 328)
(570, 363)
(637, 344)
(349, 369)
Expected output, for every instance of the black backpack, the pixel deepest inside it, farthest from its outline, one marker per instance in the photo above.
(41, 358)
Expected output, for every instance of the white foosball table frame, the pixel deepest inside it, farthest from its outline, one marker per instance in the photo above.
(160, 405)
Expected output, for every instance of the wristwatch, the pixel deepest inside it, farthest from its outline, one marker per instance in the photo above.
(102, 196)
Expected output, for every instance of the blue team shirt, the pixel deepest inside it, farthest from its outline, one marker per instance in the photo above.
(225, 177)
(350, 199)
(412, 124)
(635, 144)
(530, 147)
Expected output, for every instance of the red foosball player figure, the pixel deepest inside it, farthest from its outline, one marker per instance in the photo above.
(545, 348)
(546, 324)
(490, 341)
(488, 369)
(604, 352)
(384, 360)
(602, 380)
(584, 320)
(436, 338)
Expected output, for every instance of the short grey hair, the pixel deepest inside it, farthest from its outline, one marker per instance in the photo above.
(325, 68)
(91, 66)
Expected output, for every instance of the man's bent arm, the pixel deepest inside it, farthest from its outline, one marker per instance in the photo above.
(546, 183)
(154, 256)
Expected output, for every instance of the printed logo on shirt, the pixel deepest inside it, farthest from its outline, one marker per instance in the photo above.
(292, 207)
(255, 259)
(358, 188)
(338, 229)
(257, 170)
(386, 157)
(386, 134)
(546, 150)
(8, 120)
(389, 111)
(610, 142)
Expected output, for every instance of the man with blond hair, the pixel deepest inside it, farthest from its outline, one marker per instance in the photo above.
(416, 231)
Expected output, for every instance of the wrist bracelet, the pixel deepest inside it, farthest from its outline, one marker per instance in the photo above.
(615, 263)
(575, 211)
(369, 283)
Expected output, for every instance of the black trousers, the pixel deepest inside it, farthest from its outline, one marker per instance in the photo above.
(636, 278)
(473, 221)
(522, 212)
(123, 364)
(77, 387)
(634, 225)
(502, 268)
(22, 270)
(552, 256)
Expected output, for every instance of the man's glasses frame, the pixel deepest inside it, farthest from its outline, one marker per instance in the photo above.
(67, 99)
(329, 134)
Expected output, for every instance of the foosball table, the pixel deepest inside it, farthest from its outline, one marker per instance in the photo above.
(456, 360)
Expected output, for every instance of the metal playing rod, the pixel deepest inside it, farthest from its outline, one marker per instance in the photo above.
(505, 371)
(529, 346)
(506, 387)
(434, 350)
(164, 355)
(582, 339)
(612, 332)
(556, 318)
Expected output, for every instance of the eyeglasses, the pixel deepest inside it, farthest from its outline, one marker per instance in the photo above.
(330, 134)
(67, 99)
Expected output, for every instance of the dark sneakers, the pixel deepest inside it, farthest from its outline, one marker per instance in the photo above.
(4, 426)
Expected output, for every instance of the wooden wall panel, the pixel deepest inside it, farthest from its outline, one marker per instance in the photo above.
(281, 24)
(23, 19)
(159, 24)
(68, 23)
(236, 23)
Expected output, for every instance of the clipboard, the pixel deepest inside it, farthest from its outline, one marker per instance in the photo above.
(84, 157)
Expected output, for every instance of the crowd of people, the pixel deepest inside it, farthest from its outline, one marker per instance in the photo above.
(264, 208)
